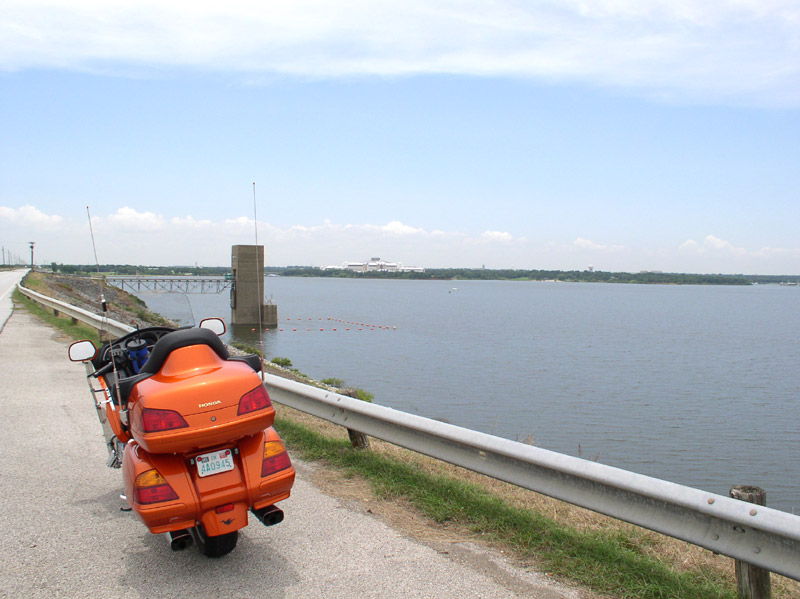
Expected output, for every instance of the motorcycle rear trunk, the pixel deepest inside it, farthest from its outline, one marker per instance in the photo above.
(198, 411)
(203, 391)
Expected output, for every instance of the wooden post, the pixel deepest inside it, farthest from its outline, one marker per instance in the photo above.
(752, 582)
(357, 440)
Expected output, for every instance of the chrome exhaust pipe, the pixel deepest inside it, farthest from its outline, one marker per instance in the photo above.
(269, 516)
(179, 540)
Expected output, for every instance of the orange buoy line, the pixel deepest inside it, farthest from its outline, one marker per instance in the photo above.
(356, 326)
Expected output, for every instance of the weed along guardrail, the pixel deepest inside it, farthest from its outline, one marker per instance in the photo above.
(753, 534)
(112, 327)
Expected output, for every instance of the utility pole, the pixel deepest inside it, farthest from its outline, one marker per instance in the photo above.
(33, 243)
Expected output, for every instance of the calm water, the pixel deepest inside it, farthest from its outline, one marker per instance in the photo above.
(694, 384)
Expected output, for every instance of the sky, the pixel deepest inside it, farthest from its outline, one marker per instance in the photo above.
(625, 135)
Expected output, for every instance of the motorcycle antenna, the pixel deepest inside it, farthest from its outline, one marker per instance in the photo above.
(96, 261)
(259, 286)
(104, 305)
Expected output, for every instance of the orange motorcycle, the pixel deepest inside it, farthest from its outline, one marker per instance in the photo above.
(191, 427)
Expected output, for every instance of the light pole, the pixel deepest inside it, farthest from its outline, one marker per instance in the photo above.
(33, 243)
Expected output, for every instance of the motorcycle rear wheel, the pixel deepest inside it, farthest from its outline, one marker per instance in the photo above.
(215, 546)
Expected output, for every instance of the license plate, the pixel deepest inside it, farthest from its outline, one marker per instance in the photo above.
(214, 462)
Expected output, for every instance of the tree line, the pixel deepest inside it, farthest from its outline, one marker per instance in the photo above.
(467, 274)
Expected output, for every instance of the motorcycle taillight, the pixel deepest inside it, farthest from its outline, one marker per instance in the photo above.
(151, 487)
(257, 399)
(154, 421)
(275, 458)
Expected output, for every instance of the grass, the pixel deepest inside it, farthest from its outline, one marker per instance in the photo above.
(62, 323)
(248, 349)
(618, 561)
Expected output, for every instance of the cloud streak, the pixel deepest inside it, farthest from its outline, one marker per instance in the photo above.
(128, 236)
(717, 50)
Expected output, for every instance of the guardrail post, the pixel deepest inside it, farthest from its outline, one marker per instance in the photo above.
(752, 582)
(357, 440)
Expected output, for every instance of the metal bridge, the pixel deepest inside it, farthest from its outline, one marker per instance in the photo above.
(171, 284)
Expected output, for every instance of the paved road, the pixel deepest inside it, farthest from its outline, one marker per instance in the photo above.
(62, 533)
(8, 280)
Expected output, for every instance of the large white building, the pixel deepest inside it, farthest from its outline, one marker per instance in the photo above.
(375, 265)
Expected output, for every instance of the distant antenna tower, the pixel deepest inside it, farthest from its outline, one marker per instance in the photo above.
(32, 243)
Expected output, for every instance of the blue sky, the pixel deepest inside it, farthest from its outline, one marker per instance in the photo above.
(558, 134)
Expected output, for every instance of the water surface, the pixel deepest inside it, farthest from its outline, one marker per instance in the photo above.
(694, 384)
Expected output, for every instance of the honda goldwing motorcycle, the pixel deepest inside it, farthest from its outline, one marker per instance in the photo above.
(191, 427)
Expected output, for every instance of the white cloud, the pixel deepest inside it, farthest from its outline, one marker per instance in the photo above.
(28, 216)
(497, 236)
(673, 48)
(191, 222)
(127, 236)
(398, 228)
(712, 244)
(690, 245)
(586, 244)
(128, 219)
(714, 254)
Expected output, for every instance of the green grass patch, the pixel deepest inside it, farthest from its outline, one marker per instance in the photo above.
(364, 395)
(609, 562)
(62, 323)
(249, 349)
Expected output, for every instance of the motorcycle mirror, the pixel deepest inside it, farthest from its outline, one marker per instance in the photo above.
(215, 325)
(81, 351)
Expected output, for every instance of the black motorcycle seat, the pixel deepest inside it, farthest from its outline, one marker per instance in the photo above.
(178, 339)
(166, 345)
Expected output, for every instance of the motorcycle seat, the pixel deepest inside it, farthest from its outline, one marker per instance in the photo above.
(166, 345)
(178, 339)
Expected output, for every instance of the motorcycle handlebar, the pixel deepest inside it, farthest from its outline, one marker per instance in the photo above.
(103, 370)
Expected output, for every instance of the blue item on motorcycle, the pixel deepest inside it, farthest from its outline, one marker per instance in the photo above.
(137, 350)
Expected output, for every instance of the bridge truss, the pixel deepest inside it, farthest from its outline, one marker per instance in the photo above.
(171, 284)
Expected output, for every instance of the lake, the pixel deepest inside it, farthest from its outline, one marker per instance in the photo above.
(697, 385)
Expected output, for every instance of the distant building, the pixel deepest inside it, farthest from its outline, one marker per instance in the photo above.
(375, 265)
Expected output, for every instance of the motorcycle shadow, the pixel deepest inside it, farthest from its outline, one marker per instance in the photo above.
(255, 568)
(150, 568)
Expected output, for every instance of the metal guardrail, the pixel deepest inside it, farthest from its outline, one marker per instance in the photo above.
(114, 328)
(757, 535)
